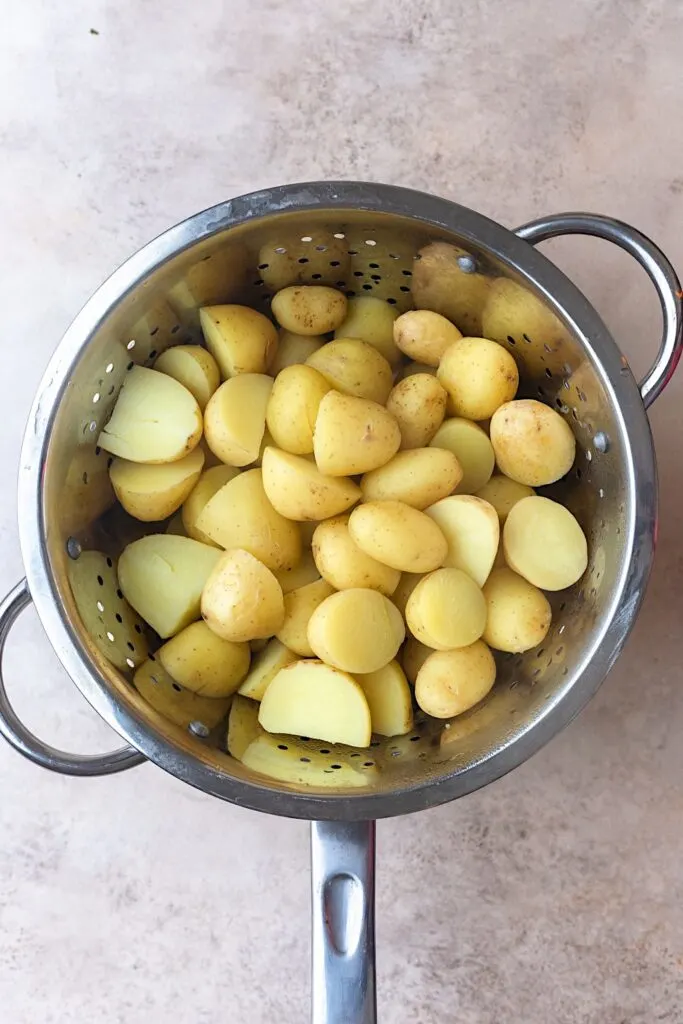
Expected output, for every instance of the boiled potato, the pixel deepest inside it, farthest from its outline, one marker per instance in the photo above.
(194, 368)
(163, 576)
(309, 309)
(371, 320)
(293, 349)
(446, 609)
(284, 759)
(532, 443)
(299, 606)
(407, 584)
(306, 571)
(243, 726)
(241, 599)
(399, 536)
(298, 490)
(240, 516)
(154, 492)
(444, 285)
(316, 700)
(418, 403)
(451, 682)
(503, 493)
(264, 667)
(155, 419)
(353, 435)
(240, 339)
(472, 530)
(424, 336)
(544, 543)
(293, 408)
(518, 614)
(472, 449)
(209, 483)
(356, 630)
(417, 477)
(181, 706)
(389, 699)
(354, 368)
(235, 418)
(342, 563)
(203, 662)
(413, 657)
(479, 376)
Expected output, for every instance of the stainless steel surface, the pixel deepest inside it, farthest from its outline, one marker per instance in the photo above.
(651, 259)
(16, 733)
(343, 869)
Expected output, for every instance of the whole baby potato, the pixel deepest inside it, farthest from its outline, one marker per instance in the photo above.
(399, 536)
(451, 682)
(518, 614)
(354, 368)
(242, 600)
(418, 403)
(240, 339)
(356, 630)
(154, 492)
(309, 309)
(299, 607)
(533, 444)
(479, 376)
(353, 435)
(503, 493)
(194, 368)
(292, 349)
(203, 662)
(342, 563)
(472, 449)
(446, 610)
(235, 418)
(418, 477)
(293, 407)
(298, 490)
(424, 336)
(209, 483)
(544, 543)
(371, 320)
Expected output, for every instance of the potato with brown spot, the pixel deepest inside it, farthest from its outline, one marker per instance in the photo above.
(424, 336)
(418, 403)
(309, 309)
(533, 444)
(479, 376)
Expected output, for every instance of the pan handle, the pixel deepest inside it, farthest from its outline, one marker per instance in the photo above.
(654, 263)
(16, 733)
(343, 857)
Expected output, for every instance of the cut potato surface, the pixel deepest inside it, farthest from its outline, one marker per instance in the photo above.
(389, 699)
(353, 435)
(446, 610)
(243, 725)
(293, 349)
(299, 606)
(155, 419)
(209, 483)
(242, 600)
(154, 492)
(342, 563)
(544, 543)
(203, 662)
(264, 667)
(418, 404)
(299, 491)
(281, 758)
(181, 706)
(354, 368)
(503, 493)
(418, 477)
(309, 698)
(424, 336)
(371, 320)
(518, 613)
(471, 527)
(293, 408)
(309, 309)
(356, 630)
(398, 536)
(235, 418)
(479, 376)
(533, 444)
(194, 368)
(240, 339)
(451, 682)
(473, 450)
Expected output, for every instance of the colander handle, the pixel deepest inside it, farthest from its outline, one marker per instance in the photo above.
(343, 859)
(16, 733)
(654, 263)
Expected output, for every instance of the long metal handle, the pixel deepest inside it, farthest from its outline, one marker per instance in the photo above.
(343, 856)
(656, 266)
(16, 733)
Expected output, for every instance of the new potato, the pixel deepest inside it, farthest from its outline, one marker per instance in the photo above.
(293, 407)
(503, 493)
(398, 536)
(533, 444)
(264, 667)
(472, 449)
(209, 483)
(356, 630)
(446, 609)
(154, 492)
(194, 368)
(353, 435)
(371, 320)
(354, 368)
(240, 339)
(309, 309)
(389, 699)
(413, 657)
(450, 682)
(181, 706)
(299, 607)
(241, 599)
(544, 543)
(243, 726)
(472, 531)
(445, 280)
(203, 662)
(418, 403)
(424, 336)
(479, 376)
(342, 563)
(235, 418)
(418, 477)
(293, 349)
(298, 490)
(518, 614)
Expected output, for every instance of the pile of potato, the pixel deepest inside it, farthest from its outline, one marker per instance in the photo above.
(340, 531)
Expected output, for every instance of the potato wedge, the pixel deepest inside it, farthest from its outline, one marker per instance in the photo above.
(293, 349)
(533, 444)
(264, 667)
(544, 543)
(389, 699)
(503, 493)
(281, 758)
(371, 320)
(418, 403)
(353, 435)
(354, 368)
(203, 662)
(243, 726)
(154, 492)
(472, 449)
(446, 610)
(209, 483)
(304, 572)
(424, 336)
(356, 630)
(417, 477)
(479, 376)
(342, 563)
(299, 606)
(472, 530)
(518, 614)
(398, 536)
(445, 280)
(240, 339)
(181, 706)
(298, 490)
(309, 309)
(235, 418)
(451, 682)
(194, 368)
(241, 599)
(293, 407)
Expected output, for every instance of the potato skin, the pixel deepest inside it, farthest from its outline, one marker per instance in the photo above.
(418, 403)
(342, 563)
(309, 309)
(353, 435)
(518, 614)
(424, 335)
(371, 320)
(203, 662)
(242, 600)
(293, 407)
(354, 368)
(398, 535)
(450, 682)
(533, 444)
(479, 376)
(418, 477)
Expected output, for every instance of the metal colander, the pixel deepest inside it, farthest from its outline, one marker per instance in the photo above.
(364, 239)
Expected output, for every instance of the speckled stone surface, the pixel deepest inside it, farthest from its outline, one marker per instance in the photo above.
(557, 893)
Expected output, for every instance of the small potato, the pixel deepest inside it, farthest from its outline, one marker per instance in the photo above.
(241, 599)
(235, 418)
(389, 699)
(240, 339)
(209, 483)
(181, 706)
(503, 493)
(472, 449)
(407, 584)
(446, 610)
(293, 349)
(298, 490)
(203, 662)
(418, 403)
(316, 700)
(413, 657)
(309, 309)
(544, 543)
(532, 443)
(342, 563)
(451, 682)
(371, 320)
(299, 606)
(194, 368)
(518, 614)
(424, 335)
(356, 630)
(152, 493)
(353, 435)
(155, 419)
(243, 726)
(240, 516)
(443, 284)
(293, 408)
(399, 536)
(472, 530)
(265, 666)
(417, 477)
(479, 376)
(354, 368)
(305, 571)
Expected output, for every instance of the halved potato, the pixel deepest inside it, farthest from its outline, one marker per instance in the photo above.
(519, 614)
(399, 536)
(424, 335)
(241, 599)
(203, 662)
(264, 667)
(299, 606)
(503, 493)
(471, 447)
(282, 758)
(243, 725)
(235, 418)
(354, 368)
(309, 309)
(342, 563)
(472, 530)
(418, 403)
(356, 630)
(544, 543)
(155, 419)
(533, 444)
(154, 492)
(194, 368)
(417, 477)
(353, 435)
(293, 406)
(389, 699)
(240, 339)
(298, 490)
(451, 682)
(209, 483)
(305, 571)
(371, 320)
(181, 706)
(479, 376)
(446, 609)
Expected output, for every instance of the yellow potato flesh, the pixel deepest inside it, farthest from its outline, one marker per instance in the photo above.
(264, 667)
(518, 614)
(241, 599)
(398, 536)
(203, 662)
(293, 349)
(154, 492)
(418, 403)
(309, 309)
(181, 706)
(194, 368)
(235, 418)
(532, 443)
(316, 700)
(441, 284)
(155, 419)
(544, 543)
(446, 609)
(479, 376)
(353, 435)
(503, 493)
(418, 477)
(472, 449)
(299, 606)
(341, 562)
(209, 483)
(413, 657)
(240, 339)
(162, 576)
(354, 368)
(281, 758)
(424, 336)
(389, 699)
(298, 490)
(451, 682)
(243, 726)
(306, 571)
(356, 630)
(293, 407)
(472, 530)
(371, 320)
